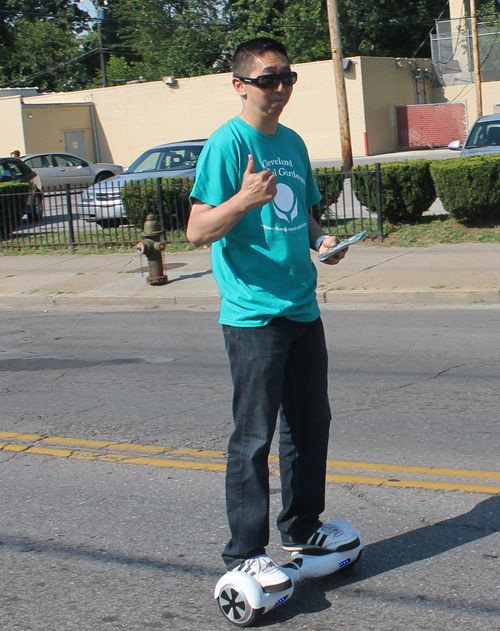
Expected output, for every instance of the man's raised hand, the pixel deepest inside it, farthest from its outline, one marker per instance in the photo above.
(259, 188)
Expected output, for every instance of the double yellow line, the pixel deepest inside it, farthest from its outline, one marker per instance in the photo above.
(436, 478)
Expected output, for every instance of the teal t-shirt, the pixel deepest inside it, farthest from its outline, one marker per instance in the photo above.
(263, 265)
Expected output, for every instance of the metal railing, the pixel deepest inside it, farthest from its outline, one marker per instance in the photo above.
(351, 202)
(111, 214)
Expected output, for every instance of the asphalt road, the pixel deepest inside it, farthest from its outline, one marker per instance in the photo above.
(413, 387)
(96, 543)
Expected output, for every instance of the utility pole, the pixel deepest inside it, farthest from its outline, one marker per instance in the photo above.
(477, 61)
(338, 70)
(101, 16)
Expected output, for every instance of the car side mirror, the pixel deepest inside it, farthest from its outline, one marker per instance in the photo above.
(454, 145)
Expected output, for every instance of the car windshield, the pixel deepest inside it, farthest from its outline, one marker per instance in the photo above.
(166, 159)
(485, 134)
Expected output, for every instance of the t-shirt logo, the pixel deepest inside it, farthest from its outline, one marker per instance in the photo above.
(285, 203)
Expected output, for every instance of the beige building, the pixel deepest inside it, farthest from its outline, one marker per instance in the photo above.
(116, 124)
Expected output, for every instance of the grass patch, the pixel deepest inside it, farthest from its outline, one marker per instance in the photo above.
(348, 227)
(93, 241)
(432, 230)
(428, 231)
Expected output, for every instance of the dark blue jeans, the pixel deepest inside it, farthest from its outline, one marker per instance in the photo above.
(278, 368)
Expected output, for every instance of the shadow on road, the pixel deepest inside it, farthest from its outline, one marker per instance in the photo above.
(186, 276)
(399, 551)
(431, 541)
(311, 596)
(56, 549)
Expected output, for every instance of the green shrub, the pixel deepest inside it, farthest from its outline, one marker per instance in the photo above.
(469, 188)
(407, 189)
(141, 197)
(13, 200)
(330, 183)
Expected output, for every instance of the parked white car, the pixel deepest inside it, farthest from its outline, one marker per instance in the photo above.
(482, 139)
(102, 202)
(59, 169)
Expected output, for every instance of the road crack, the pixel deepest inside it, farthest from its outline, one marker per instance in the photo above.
(10, 457)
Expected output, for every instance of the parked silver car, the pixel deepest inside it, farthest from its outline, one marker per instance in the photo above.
(482, 139)
(103, 201)
(59, 169)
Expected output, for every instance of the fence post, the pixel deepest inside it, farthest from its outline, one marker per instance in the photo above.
(69, 213)
(159, 189)
(379, 202)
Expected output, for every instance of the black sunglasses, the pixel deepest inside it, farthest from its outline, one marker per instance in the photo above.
(271, 80)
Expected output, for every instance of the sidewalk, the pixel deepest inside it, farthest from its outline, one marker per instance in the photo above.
(439, 275)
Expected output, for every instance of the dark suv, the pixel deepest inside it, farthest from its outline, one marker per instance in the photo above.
(15, 170)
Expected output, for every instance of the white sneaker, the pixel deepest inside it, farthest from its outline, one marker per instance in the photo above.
(334, 536)
(266, 572)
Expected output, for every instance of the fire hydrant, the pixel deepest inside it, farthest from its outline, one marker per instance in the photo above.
(153, 247)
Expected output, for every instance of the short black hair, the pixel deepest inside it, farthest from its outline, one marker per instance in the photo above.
(245, 54)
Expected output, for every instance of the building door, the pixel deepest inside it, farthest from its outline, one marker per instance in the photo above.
(75, 143)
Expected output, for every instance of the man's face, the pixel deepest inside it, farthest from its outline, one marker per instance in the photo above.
(270, 101)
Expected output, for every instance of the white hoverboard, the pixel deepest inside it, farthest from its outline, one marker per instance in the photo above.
(242, 600)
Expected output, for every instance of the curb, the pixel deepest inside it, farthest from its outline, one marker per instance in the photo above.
(212, 301)
(109, 301)
(490, 296)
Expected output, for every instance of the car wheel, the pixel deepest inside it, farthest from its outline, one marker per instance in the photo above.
(37, 210)
(104, 175)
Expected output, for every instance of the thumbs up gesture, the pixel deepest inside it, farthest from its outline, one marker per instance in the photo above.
(259, 188)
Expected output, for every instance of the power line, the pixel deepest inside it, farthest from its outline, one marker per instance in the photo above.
(392, 21)
(40, 73)
(429, 33)
(400, 21)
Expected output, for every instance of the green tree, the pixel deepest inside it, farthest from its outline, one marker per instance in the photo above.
(368, 27)
(388, 28)
(37, 35)
(302, 27)
(153, 38)
(157, 38)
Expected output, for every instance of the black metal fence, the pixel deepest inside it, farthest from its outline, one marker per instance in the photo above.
(350, 202)
(111, 214)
